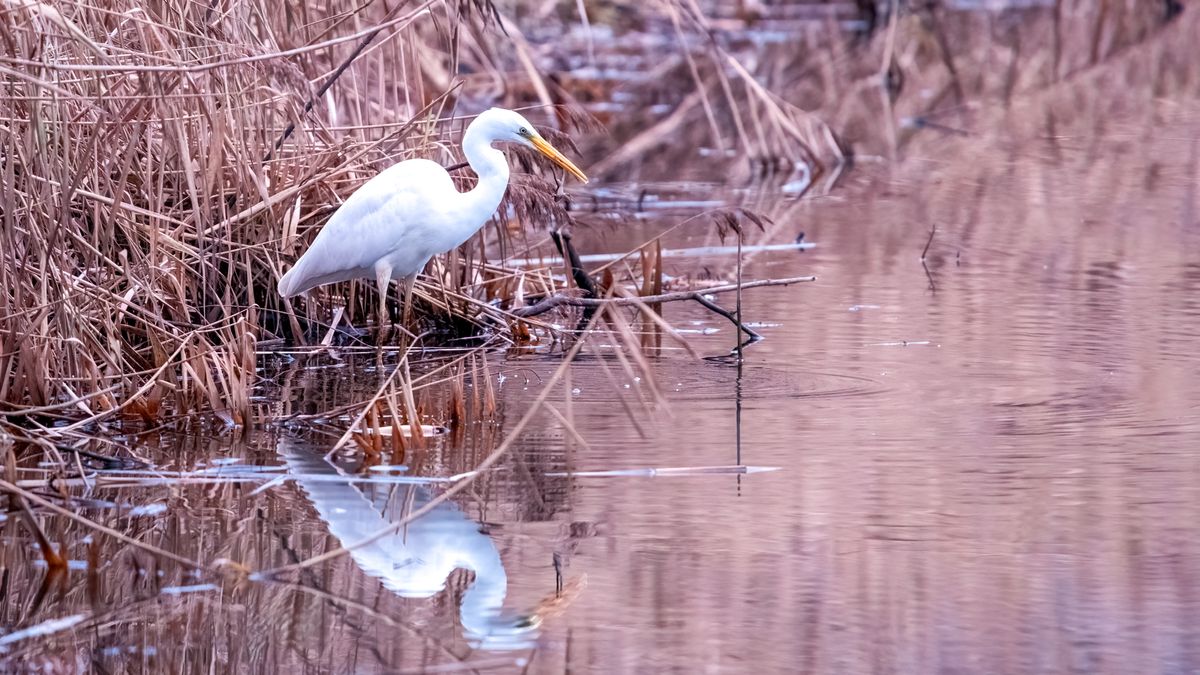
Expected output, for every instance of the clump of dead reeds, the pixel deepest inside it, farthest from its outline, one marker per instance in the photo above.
(159, 169)
(865, 83)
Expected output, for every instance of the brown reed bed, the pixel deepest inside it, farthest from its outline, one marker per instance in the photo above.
(153, 188)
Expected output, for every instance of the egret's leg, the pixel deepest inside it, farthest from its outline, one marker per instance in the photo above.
(383, 276)
(312, 330)
(408, 296)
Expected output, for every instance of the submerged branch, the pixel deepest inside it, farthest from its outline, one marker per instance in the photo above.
(563, 300)
(733, 317)
(559, 299)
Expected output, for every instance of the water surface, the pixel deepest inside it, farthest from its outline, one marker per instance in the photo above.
(987, 463)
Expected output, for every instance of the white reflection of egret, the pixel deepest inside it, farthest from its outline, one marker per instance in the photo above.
(416, 561)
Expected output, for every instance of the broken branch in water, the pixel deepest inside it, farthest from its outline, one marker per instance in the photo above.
(928, 275)
(560, 300)
(562, 240)
(667, 471)
(732, 316)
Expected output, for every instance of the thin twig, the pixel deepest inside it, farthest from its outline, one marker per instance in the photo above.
(928, 274)
(736, 320)
(928, 242)
(737, 315)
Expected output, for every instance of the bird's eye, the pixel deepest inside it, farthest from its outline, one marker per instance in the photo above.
(523, 131)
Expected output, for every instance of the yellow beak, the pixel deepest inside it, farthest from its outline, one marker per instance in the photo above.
(557, 157)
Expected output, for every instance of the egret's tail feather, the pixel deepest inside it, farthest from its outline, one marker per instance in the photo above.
(305, 276)
(288, 283)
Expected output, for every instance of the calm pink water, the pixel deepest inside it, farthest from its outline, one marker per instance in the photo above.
(987, 468)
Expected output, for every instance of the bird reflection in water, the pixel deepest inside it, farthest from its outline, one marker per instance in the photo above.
(416, 561)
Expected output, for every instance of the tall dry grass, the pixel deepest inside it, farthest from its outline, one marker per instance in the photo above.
(161, 164)
(801, 90)
(149, 199)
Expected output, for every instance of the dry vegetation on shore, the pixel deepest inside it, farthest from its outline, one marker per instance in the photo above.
(151, 195)
(150, 200)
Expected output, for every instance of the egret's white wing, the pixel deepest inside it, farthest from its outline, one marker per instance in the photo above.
(390, 215)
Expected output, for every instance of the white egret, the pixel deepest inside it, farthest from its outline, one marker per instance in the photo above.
(392, 225)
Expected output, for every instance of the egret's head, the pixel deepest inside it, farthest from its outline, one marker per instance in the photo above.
(510, 126)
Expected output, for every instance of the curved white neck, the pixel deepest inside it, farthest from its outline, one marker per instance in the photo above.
(484, 159)
(491, 167)
(484, 599)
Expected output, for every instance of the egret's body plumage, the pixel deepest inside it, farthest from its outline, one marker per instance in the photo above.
(392, 225)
